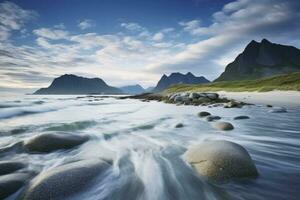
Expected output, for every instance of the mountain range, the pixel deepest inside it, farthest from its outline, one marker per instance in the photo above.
(262, 59)
(178, 78)
(72, 84)
(258, 60)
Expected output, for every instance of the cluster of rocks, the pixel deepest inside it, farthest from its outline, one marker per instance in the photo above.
(194, 98)
(220, 160)
(60, 181)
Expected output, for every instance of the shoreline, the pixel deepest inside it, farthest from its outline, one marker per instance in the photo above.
(274, 98)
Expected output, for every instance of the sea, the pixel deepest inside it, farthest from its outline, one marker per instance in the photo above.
(147, 150)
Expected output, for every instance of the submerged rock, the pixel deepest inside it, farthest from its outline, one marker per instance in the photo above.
(221, 160)
(11, 183)
(203, 114)
(224, 126)
(64, 181)
(278, 110)
(49, 142)
(179, 125)
(212, 118)
(7, 167)
(241, 117)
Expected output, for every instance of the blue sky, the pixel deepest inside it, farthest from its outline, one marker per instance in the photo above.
(134, 41)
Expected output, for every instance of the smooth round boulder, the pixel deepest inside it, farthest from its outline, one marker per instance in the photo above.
(64, 181)
(7, 167)
(49, 142)
(221, 160)
(224, 126)
(11, 183)
(203, 114)
(241, 117)
(179, 125)
(212, 118)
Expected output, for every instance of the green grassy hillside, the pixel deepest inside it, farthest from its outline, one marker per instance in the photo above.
(282, 82)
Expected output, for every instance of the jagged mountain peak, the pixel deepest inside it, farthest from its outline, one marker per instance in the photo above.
(262, 59)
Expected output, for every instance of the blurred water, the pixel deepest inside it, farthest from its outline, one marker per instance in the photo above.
(146, 148)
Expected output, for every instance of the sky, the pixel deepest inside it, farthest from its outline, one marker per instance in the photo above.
(127, 42)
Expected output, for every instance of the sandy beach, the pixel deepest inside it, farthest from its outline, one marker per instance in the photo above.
(275, 98)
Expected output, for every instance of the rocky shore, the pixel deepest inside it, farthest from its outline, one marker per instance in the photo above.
(190, 98)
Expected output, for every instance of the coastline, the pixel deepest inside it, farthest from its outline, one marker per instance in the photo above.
(274, 98)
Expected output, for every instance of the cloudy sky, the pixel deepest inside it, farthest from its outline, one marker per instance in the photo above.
(134, 41)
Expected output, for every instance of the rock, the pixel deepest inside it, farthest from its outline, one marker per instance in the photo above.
(212, 118)
(7, 167)
(194, 95)
(278, 110)
(269, 106)
(179, 125)
(11, 183)
(233, 104)
(64, 181)
(203, 114)
(221, 160)
(49, 142)
(178, 99)
(212, 96)
(241, 117)
(224, 126)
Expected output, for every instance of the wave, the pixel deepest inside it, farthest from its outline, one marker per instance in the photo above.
(26, 110)
(74, 126)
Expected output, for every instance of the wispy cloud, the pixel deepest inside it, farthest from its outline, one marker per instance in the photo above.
(54, 34)
(232, 28)
(12, 18)
(137, 53)
(86, 24)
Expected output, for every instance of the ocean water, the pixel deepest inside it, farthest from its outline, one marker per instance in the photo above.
(146, 148)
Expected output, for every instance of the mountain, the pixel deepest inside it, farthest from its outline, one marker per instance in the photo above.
(149, 89)
(72, 84)
(133, 89)
(177, 78)
(262, 59)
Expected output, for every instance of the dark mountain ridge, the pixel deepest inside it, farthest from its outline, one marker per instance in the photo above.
(262, 59)
(72, 84)
(178, 78)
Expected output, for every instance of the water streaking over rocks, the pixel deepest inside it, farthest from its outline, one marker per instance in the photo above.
(95, 147)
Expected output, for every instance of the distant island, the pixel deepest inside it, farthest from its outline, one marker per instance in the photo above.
(72, 84)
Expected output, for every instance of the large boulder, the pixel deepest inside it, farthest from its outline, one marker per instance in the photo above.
(11, 183)
(49, 142)
(7, 167)
(221, 160)
(224, 126)
(64, 181)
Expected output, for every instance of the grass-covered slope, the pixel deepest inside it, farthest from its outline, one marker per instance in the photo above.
(282, 82)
